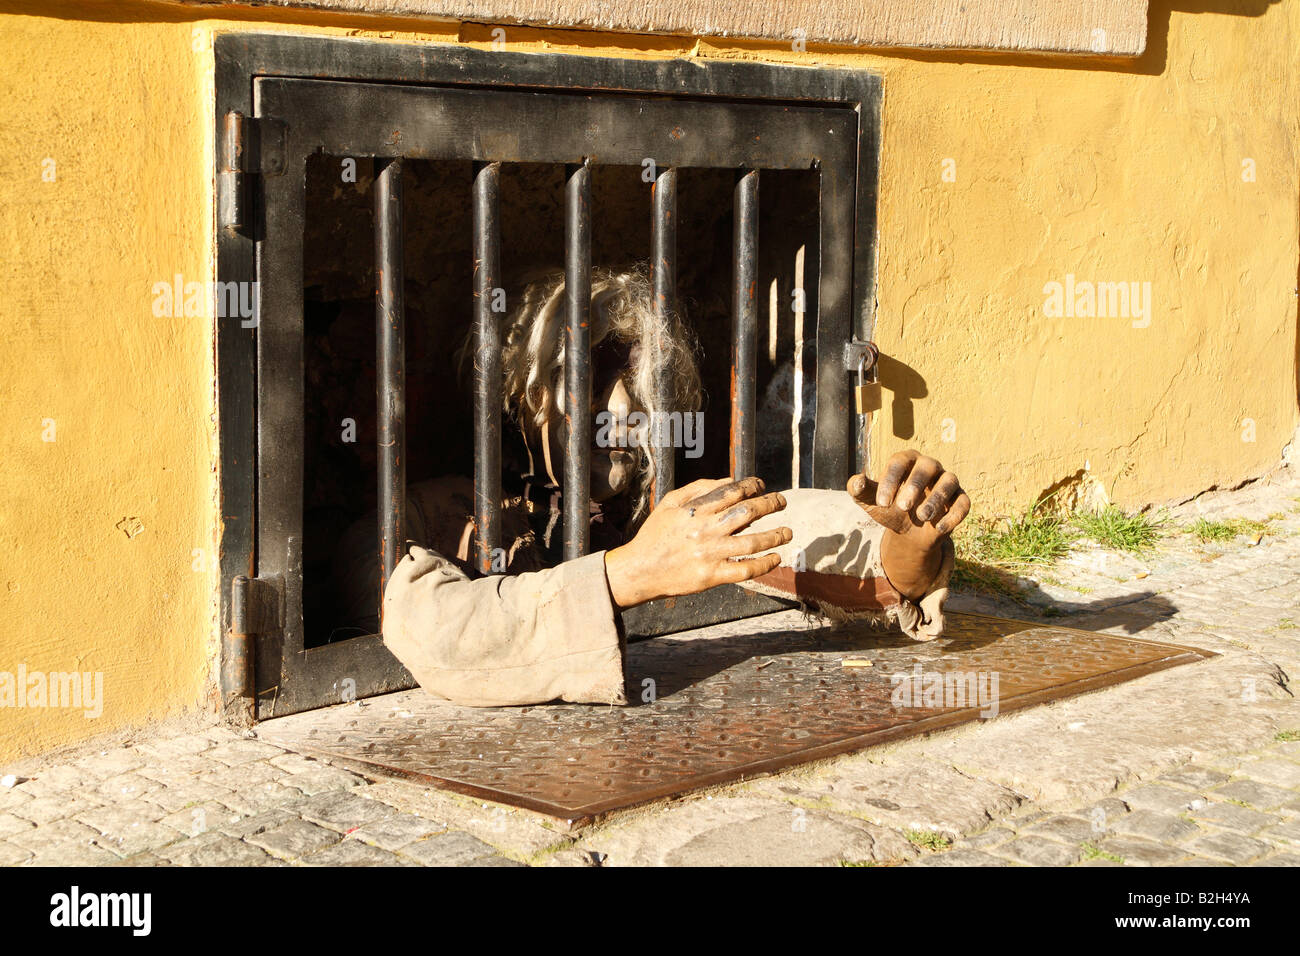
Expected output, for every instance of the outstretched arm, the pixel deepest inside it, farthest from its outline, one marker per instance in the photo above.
(506, 639)
(555, 634)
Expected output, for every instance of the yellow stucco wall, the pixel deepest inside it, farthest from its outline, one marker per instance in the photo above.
(1104, 171)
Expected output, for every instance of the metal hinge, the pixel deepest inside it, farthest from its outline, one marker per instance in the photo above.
(249, 148)
(256, 607)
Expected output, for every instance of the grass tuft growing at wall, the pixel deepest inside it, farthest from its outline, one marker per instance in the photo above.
(1036, 537)
(1112, 528)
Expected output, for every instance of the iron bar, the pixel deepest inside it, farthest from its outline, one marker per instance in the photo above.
(390, 366)
(577, 360)
(487, 363)
(744, 324)
(663, 277)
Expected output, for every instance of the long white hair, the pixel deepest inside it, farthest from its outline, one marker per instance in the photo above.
(622, 309)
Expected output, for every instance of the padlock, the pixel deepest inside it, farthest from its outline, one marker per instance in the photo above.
(866, 395)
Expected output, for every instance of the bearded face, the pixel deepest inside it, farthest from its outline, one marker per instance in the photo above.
(615, 461)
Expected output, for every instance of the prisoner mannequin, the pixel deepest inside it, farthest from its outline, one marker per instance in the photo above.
(551, 630)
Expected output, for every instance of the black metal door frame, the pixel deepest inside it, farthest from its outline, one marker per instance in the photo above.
(744, 116)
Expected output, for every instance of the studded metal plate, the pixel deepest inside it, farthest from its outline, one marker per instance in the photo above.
(720, 704)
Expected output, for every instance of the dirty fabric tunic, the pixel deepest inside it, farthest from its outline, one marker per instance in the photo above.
(506, 639)
(544, 630)
(541, 633)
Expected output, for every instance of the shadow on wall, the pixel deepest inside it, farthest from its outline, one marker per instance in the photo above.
(904, 384)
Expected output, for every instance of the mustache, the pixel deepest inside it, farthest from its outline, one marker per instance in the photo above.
(614, 454)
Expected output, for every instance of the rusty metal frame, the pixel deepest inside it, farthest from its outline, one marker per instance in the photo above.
(288, 87)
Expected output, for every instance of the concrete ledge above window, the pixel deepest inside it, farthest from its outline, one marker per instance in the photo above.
(1115, 28)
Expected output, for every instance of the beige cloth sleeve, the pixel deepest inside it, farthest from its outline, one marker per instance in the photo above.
(506, 639)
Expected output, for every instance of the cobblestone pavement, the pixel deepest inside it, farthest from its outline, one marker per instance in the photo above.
(1197, 765)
